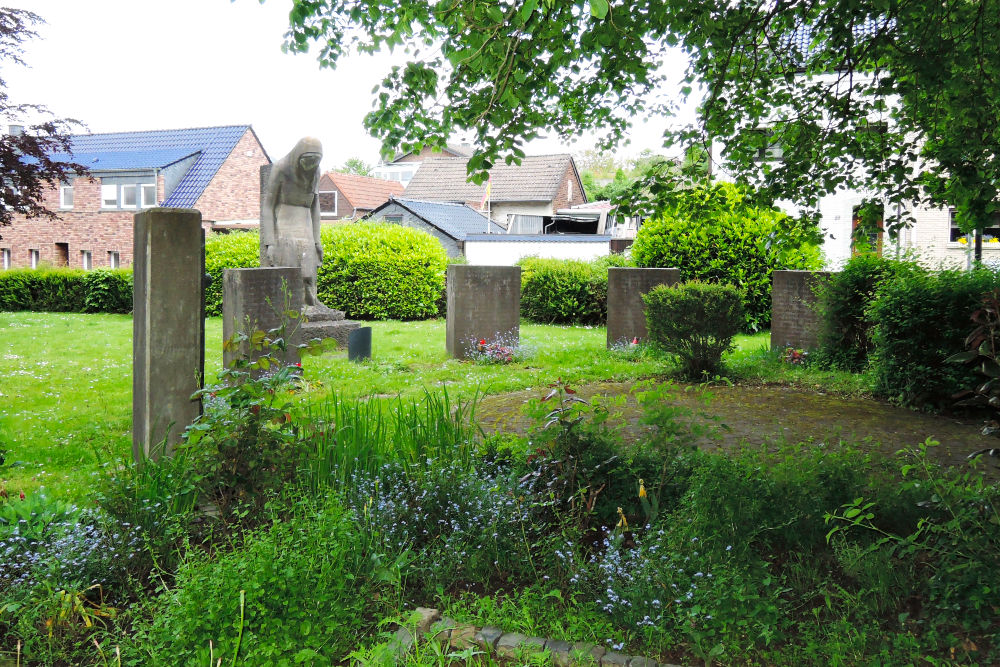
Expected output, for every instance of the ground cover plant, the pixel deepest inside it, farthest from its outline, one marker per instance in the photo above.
(794, 553)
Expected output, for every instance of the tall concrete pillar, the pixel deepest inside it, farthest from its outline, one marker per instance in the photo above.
(168, 332)
(626, 310)
(484, 302)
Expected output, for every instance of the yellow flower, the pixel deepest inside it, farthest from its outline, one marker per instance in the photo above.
(622, 523)
(642, 488)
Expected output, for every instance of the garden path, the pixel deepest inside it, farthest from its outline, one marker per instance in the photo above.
(758, 414)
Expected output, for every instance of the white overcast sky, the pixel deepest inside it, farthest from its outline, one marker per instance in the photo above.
(121, 65)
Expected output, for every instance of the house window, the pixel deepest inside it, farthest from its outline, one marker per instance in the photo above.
(33, 259)
(5, 255)
(109, 196)
(129, 195)
(148, 195)
(86, 260)
(65, 196)
(770, 149)
(865, 241)
(114, 259)
(396, 219)
(957, 236)
(569, 195)
(328, 201)
(62, 254)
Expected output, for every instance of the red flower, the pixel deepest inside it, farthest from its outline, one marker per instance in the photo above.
(297, 364)
(635, 341)
(22, 495)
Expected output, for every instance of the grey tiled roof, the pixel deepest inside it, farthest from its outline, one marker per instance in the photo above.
(802, 41)
(455, 220)
(537, 178)
(119, 151)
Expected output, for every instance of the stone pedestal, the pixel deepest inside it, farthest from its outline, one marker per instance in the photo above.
(626, 310)
(168, 333)
(484, 302)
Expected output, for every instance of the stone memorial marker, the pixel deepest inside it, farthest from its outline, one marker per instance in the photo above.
(168, 333)
(626, 310)
(484, 303)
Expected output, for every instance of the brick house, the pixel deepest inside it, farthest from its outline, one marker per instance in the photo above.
(212, 169)
(349, 196)
(515, 195)
(403, 166)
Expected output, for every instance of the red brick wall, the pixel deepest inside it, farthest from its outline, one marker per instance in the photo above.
(85, 227)
(234, 193)
(562, 199)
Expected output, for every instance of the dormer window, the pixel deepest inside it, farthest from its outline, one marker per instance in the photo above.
(148, 195)
(129, 196)
(109, 195)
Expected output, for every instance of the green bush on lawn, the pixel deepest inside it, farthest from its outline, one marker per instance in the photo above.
(61, 290)
(716, 234)
(379, 271)
(566, 291)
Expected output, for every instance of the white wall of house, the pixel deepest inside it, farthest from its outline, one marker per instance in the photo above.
(507, 253)
(500, 210)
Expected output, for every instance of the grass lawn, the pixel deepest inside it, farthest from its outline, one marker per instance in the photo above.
(67, 391)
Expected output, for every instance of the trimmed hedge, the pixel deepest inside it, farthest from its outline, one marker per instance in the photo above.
(843, 300)
(695, 321)
(235, 250)
(920, 320)
(379, 271)
(714, 234)
(60, 290)
(566, 291)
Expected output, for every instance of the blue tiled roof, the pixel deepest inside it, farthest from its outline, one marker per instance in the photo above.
(803, 43)
(117, 151)
(455, 220)
(125, 160)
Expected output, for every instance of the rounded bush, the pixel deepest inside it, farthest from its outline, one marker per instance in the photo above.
(566, 291)
(235, 250)
(108, 291)
(715, 234)
(695, 321)
(379, 271)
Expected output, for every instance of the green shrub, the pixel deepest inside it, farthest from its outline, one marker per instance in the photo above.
(236, 250)
(845, 329)
(920, 320)
(299, 590)
(566, 291)
(696, 321)
(379, 271)
(48, 290)
(715, 234)
(108, 291)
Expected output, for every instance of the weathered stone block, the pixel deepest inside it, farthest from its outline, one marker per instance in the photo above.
(626, 310)
(638, 661)
(255, 299)
(615, 659)
(487, 637)
(167, 327)
(463, 637)
(484, 302)
(583, 651)
(794, 320)
(512, 644)
(560, 652)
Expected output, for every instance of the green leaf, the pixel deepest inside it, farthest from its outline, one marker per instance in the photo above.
(599, 8)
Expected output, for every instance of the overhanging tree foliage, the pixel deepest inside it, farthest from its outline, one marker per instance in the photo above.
(896, 97)
(25, 159)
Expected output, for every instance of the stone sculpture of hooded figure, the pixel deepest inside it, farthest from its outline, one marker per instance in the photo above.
(290, 220)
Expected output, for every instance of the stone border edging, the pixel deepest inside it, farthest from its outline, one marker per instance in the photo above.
(507, 645)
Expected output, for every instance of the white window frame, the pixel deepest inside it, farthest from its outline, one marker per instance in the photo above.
(33, 257)
(143, 189)
(114, 259)
(5, 257)
(86, 260)
(63, 190)
(569, 187)
(336, 202)
(109, 189)
(135, 196)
